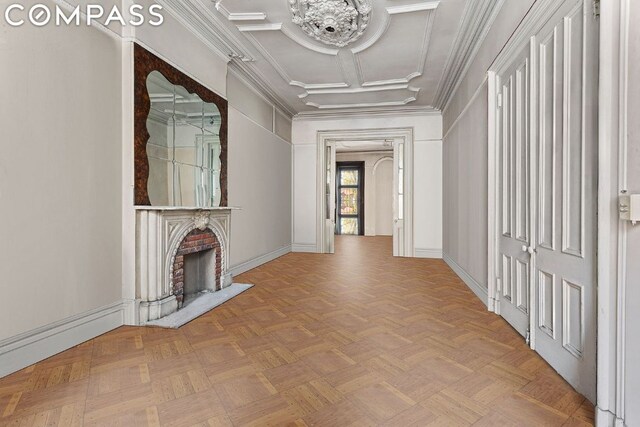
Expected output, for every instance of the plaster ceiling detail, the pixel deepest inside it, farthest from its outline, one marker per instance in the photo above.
(333, 22)
(412, 56)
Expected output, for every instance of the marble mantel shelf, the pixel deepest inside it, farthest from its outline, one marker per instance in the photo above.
(185, 208)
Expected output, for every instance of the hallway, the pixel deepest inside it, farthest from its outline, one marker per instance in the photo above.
(356, 338)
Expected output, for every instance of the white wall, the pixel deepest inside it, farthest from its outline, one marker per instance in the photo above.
(60, 175)
(378, 191)
(465, 154)
(427, 175)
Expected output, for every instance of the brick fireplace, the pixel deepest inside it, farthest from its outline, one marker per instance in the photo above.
(203, 247)
(180, 252)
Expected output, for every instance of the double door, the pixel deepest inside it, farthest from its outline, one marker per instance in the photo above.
(546, 172)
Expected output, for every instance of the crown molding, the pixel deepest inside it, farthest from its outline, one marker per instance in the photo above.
(478, 17)
(367, 113)
(248, 16)
(418, 7)
(208, 26)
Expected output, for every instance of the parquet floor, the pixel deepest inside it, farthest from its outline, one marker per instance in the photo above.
(358, 338)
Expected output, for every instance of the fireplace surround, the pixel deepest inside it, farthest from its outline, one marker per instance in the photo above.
(165, 236)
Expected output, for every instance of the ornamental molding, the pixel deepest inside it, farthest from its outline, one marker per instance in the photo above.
(201, 220)
(333, 22)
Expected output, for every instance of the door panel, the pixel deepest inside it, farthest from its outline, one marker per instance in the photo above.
(330, 214)
(514, 177)
(398, 199)
(566, 186)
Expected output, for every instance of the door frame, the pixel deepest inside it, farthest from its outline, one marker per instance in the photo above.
(406, 135)
(615, 30)
(357, 165)
(612, 182)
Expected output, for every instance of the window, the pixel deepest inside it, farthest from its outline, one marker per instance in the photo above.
(350, 198)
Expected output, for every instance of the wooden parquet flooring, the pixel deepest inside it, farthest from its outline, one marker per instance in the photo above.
(353, 339)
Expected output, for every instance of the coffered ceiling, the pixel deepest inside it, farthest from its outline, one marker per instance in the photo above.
(412, 55)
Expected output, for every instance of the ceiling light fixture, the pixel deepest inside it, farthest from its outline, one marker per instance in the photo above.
(334, 22)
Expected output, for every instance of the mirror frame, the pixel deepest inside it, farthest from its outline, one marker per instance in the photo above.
(144, 63)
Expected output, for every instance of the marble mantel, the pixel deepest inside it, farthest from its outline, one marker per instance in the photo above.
(159, 233)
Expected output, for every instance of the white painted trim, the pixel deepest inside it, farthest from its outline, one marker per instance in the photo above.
(24, 350)
(612, 179)
(474, 29)
(480, 291)
(259, 260)
(407, 135)
(428, 253)
(418, 7)
(493, 198)
(358, 113)
(244, 16)
(304, 248)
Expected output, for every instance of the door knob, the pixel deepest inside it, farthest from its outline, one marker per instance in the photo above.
(525, 248)
(528, 249)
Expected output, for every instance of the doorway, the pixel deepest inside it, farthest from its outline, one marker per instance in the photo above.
(398, 141)
(350, 203)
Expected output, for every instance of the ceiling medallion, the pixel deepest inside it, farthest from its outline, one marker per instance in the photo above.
(334, 22)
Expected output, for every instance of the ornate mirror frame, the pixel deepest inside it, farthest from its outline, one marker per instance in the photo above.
(144, 63)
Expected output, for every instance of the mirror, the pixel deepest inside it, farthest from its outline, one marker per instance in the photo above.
(184, 146)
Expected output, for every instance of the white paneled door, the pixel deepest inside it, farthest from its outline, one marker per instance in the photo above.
(330, 194)
(547, 168)
(515, 207)
(398, 198)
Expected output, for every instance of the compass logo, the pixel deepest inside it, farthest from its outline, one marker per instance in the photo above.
(39, 15)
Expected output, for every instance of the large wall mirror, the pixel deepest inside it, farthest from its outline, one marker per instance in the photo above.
(180, 138)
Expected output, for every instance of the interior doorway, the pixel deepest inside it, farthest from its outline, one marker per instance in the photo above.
(389, 152)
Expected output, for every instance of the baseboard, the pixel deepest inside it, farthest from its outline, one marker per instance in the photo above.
(605, 418)
(24, 350)
(476, 287)
(428, 253)
(258, 261)
(305, 248)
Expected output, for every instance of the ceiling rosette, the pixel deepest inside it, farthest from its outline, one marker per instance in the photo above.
(333, 22)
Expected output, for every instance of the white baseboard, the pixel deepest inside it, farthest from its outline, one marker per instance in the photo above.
(305, 248)
(258, 261)
(428, 253)
(130, 311)
(605, 418)
(476, 287)
(24, 350)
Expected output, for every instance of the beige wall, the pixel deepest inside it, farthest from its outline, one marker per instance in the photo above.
(60, 174)
(259, 176)
(465, 153)
(66, 178)
(260, 184)
(378, 192)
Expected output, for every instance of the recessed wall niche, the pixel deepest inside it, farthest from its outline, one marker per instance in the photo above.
(180, 138)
